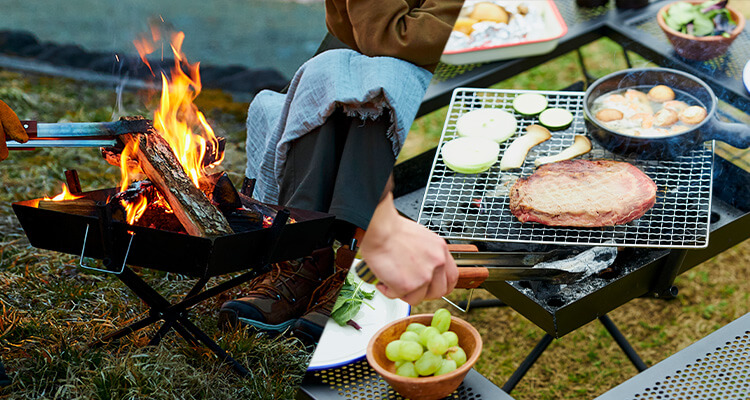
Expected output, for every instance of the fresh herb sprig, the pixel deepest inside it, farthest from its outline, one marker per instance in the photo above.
(710, 18)
(350, 301)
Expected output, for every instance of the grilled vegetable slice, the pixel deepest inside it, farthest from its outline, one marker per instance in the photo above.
(529, 104)
(581, 145)
(489, 123)
(556, 118)
(516, 153)
(470, 155)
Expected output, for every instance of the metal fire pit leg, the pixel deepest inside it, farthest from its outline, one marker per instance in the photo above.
(623, 343)
(527, 363)
(135, 326)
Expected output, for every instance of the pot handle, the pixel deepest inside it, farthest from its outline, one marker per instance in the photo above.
(737, 135)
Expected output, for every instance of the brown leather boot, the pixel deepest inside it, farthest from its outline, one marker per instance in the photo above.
(280, 296)
(310, 326)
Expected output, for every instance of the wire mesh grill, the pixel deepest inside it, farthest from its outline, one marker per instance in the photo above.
(476, 207)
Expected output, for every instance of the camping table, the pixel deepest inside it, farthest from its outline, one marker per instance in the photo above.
(634, 30)
(715, 367)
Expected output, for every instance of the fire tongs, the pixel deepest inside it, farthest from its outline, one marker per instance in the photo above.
(477, 267)
(77, 134)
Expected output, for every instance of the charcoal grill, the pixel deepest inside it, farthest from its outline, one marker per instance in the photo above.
(118, 244)
(475, 207)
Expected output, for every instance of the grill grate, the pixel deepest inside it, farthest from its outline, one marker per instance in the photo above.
(475, 207)
(359, 381)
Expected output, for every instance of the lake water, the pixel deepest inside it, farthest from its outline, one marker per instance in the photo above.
(253, 33)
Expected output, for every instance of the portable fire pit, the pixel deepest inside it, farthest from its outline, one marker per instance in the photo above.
(94, 233)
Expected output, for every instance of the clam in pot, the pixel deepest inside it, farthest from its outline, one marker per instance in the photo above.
(667, 147)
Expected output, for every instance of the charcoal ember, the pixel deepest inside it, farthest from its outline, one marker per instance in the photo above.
(157, 217)
(244, 220)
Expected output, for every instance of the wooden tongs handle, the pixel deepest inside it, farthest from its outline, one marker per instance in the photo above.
(469, 277)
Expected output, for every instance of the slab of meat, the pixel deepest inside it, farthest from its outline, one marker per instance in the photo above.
(582, 193)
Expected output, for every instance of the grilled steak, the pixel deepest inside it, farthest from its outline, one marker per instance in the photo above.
(582, 193)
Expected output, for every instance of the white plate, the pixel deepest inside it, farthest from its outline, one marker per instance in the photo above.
(746, 76)
(342, 345)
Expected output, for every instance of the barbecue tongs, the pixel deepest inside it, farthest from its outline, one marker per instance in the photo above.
(474, 268)
(77, 134)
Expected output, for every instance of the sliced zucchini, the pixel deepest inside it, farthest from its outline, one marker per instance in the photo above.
(470, 155)
(489, 123)
(529, 104)
(515, 154)
(556, 119)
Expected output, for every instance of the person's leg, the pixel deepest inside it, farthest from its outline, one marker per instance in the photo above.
(365, 164)
(340, 168)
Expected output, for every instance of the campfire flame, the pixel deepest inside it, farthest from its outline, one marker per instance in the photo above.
(64, 195)
(177, 118)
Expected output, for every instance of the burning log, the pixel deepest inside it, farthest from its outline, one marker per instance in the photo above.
(75, 206)
(193, 209)
(112, 154)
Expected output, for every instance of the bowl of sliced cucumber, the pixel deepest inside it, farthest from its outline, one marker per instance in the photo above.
(425, 356)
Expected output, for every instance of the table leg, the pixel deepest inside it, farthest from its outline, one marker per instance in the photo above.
(623, 343)
(527, 363)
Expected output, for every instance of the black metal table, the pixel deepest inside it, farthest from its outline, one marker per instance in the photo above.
(715, 367)
(634, 30)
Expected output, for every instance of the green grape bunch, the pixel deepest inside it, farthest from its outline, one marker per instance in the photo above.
(427, 350)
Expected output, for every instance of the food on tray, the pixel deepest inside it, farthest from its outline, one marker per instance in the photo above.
(464, 25)
(661, 93)
(583, 193)
(662, 112)
(470, 155)
(556, 119)
(581, 145)
(529, 104)
(430, 350)
(693, 115)
(487, 11)
(709, 18)
(489, 123)
(516, 153)
(483, 24)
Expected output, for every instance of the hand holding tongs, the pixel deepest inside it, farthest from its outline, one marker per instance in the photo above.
(77, 134)
(477, 267)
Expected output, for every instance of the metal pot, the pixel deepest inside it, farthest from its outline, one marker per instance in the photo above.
(666, 147)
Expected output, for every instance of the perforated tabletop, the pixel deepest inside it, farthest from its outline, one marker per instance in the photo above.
(360, 382)
(716, 367)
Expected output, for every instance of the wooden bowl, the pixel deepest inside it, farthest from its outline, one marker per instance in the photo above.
(700, 48)
(423, 388)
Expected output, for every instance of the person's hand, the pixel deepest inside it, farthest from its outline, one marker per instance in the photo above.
(10, 128)
(411, 262)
